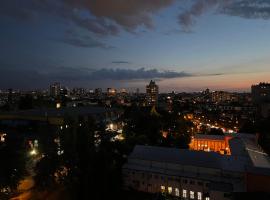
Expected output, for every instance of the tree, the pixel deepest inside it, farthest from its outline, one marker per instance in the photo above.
(91, 161)
(144, 128)
(13, 164)
(26, 102)
(215, 131)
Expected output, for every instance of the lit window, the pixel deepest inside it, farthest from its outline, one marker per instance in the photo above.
(169, 190)
(162, 188)
(177, 192)
(207, 198)
(199, 195)
(185, 193)
(191, 194)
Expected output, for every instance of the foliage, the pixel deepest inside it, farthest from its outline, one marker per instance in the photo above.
(26, 102)
(93, 168)
(13, 165)
(144, 128)
(215, 131)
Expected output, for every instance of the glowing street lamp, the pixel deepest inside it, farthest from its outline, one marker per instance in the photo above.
(33, 152)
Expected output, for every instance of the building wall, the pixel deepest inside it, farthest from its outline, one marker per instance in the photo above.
(174, 179)
(260, 93)
(262, 183)
(201, 144)
(177, 186)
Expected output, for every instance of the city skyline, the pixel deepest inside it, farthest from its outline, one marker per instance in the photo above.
(183, 46)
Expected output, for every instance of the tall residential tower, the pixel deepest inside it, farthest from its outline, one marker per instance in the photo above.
(152, 94)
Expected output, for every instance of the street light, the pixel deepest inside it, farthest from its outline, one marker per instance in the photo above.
(33, 152)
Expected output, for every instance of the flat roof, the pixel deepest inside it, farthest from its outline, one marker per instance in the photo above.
(258, 157)
(177, 156)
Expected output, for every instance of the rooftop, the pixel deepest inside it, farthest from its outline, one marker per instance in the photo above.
(246, 155)
(177, 156)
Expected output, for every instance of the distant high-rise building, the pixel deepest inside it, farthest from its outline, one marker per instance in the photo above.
(221, 96)
(78, 91)
(152, 93)
(55, 89)
(260, 93)
(64, 92)
(137, 91)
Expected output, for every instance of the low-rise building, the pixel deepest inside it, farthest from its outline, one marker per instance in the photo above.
(198, 174)
(216, 143)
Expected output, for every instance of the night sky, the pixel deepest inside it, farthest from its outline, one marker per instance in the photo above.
(185, 45)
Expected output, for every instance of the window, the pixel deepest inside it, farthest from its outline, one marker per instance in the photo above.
(162, 188)
(185, 181)
(177, 192)
(169, 190)
(199, 195)
(191, 195)
(191, 182)
(185, 193)
(207, 198)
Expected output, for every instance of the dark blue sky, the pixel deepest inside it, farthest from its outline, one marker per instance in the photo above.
(184, 45)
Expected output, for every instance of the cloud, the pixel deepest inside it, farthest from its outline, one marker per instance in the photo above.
(142, 73)
(128, 14)
(33, 78)
(120, 62)
(198, 8)
(249, 9)
(73, 38)
(15, 9)
(20, 78)
(66, 73)
(101, 17)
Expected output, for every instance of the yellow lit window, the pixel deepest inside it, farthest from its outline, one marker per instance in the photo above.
(185, 193)
(191, 194)
(169, 190)
(199, 195)
(177, 193)
(162, 188)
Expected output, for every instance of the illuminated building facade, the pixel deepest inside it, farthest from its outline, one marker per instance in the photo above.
(152, 94)
(216, 143)
(221, 96)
